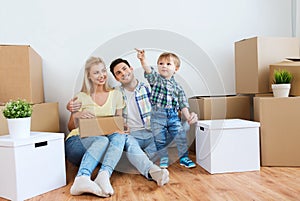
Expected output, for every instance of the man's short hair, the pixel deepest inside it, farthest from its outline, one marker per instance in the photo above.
(116, 62)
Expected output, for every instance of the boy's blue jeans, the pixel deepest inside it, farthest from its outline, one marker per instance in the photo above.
(165, 121)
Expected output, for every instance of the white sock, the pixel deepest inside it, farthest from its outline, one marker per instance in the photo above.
(103, 181)
(161, 176)
(83, 184)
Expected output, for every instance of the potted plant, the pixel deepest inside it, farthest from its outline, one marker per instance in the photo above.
(281, 83)
(18, 115)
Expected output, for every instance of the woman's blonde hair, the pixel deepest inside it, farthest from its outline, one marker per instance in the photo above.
(87, 85)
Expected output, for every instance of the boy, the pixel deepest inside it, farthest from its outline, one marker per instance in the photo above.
(167, 97)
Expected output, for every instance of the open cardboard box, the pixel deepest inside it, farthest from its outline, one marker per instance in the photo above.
(100, 126)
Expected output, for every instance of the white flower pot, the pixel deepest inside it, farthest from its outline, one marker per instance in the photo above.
(281, 90)
(19, 128)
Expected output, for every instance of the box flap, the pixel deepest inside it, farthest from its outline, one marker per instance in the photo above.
(227, 124)
(35, 137)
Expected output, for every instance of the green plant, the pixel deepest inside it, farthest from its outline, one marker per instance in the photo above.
(282, 77)
(17, 109)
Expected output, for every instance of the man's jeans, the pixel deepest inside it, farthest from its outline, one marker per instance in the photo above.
(146, 141)
(137, 156)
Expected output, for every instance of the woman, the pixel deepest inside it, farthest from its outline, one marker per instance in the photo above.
(97, 100)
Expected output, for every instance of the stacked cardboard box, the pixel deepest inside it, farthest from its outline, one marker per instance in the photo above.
(294, 68)
(279, 129)
(253, 57)
(21, 77)
(278, 116)
(225, 107)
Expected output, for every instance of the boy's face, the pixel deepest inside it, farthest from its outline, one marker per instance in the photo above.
(166, 67)
(123, 73)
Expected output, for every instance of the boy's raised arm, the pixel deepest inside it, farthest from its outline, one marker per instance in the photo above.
(142, 58)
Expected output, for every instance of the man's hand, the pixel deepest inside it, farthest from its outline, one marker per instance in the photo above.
(74, 105)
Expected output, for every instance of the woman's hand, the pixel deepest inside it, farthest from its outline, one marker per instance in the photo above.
(74, 105)
(83, 115)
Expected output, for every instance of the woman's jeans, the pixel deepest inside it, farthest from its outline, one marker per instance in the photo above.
(164, 121)
(89, 151)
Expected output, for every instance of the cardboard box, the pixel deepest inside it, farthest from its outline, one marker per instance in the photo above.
(32, 166)
(45, 118)
(227, 107)
(228, 145)
(253, 57)
(279, 130)
(20, 74)
(100, 126)
(294, 68)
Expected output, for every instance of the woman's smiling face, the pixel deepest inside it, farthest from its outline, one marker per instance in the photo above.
(98, 74)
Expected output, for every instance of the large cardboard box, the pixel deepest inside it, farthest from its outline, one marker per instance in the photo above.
(31, 166)
(45, 118)
(279, 130)
(291, 66)
(20, 74)
(228, 145)
(100, 126)
(226, 107)
(253, 57)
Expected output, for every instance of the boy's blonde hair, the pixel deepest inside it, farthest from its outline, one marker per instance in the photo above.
(169, 55)
(87, 85)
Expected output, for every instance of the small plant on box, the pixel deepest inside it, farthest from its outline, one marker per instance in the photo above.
(282, 83)
(282, 77)
(17, 109)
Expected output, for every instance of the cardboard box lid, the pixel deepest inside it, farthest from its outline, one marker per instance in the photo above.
(286, 63)
(100, 126)
(36, 138)
(227, 124)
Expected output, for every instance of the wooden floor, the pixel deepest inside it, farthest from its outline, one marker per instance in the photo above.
(270, 183)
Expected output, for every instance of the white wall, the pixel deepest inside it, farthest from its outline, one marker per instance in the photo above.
(65, 33)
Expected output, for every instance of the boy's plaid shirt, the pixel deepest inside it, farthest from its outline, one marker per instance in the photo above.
(166, 93)
(142, 98)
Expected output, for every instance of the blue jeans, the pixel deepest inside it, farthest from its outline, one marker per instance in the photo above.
(88, 152)
(76, 147)
(137, 156)
(114, 152)
(164, 121)
(146, 141)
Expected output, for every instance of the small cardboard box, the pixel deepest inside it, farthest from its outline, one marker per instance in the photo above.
(20, 74)
(100, 126)
(253, 57)
(31, 166)
(226, 107)
(294, 68)
(279, 130)
(227, 145)
(45, 118)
